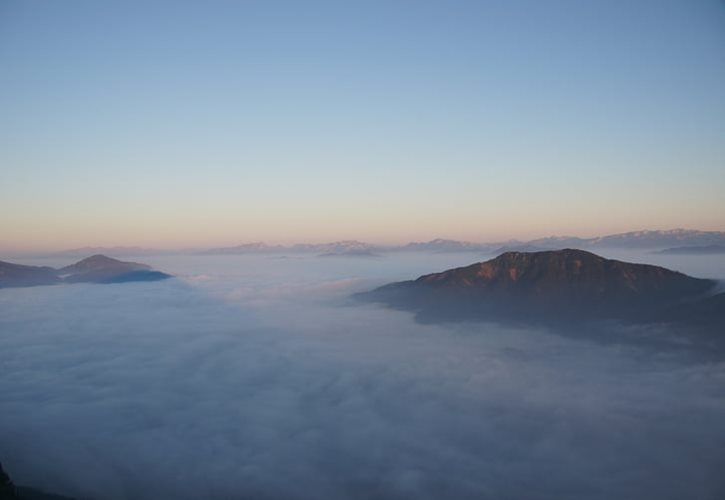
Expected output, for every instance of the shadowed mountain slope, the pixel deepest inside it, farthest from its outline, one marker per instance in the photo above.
(14, 275)
(9, 491)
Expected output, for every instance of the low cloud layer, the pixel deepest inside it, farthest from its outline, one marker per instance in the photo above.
(258, 378)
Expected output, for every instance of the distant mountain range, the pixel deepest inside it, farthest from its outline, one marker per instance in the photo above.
(556, 287)
(346, 247)
(646, 240)
(631, 240)
(635, 240)
(441, 245)
(524, 247)
(94, 269)
(655, 239)
(257, 247)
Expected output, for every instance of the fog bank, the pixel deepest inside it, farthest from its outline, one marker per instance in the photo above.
(257, 377)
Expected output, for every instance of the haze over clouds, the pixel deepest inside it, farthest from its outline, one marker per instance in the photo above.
(258, 377)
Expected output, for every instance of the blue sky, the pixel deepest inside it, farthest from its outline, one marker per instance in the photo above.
(205, 123)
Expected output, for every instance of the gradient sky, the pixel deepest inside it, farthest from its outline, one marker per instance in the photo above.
(209, 123)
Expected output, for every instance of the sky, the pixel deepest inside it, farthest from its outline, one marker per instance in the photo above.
(183, 124)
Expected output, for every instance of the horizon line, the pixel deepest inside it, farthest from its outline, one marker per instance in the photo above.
(291, 244)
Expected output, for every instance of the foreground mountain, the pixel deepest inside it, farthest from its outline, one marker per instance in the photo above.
(94, 269)
(552, 286)
(708, 312)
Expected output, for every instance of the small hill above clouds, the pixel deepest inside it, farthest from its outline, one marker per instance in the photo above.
(102, 269)
(100, 262)
(694, 250)
(98, 268)
(556, 286)
(94, 269)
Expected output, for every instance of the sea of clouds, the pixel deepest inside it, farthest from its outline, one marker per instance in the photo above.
(258, 377)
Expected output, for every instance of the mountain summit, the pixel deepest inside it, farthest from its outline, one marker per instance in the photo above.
(556, 285)
(99, 268)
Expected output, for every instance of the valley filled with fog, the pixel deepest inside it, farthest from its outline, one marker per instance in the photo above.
(258, 376)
